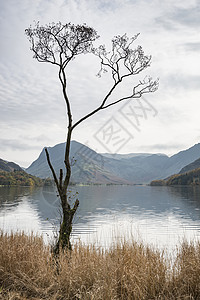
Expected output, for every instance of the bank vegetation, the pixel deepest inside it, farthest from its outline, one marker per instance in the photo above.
(128, 270)
(188, 178)
(21, 178)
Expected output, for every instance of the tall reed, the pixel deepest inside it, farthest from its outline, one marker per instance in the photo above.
(128, 270)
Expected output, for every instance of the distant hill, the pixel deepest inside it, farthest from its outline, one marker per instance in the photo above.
(89, 166)
(12, 174)
(9, 166)
(20, 178)
(125, 156)
(178, 161)
(92, 167)
(194, 165)
(188, 174)
(189, 178)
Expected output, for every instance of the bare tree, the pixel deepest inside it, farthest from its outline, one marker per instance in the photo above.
(59, 44)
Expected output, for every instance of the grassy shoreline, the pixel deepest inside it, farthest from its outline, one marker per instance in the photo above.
(129, 270)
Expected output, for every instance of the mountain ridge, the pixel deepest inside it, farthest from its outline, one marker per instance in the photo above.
(192, 166)
(9, 166)
(89, 166)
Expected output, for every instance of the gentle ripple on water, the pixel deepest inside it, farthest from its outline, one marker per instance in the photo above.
(157, 215)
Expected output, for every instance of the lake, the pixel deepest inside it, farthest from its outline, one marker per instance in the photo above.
(161, 216)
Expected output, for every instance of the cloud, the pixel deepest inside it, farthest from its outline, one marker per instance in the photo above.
(188, 17)
(39, 138)
(164, 148)
(192, 47)
(183, 81)
(31, 101)
(15, 144)
(172, 18)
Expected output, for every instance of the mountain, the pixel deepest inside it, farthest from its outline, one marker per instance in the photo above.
(194, 165)
(138, 169)
(189, 178)
(89, 166)
(12, 174)
(9, 166)
(178, 161)
(124, 156)
(19, 178)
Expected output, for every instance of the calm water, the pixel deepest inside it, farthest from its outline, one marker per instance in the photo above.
(162, 216)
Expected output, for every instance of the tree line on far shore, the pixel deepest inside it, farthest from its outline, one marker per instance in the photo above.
(188, 178)
(21, 178)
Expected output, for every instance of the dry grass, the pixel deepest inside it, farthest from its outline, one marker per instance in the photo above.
(126, 271)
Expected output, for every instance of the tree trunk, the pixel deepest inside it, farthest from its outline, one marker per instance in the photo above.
(66, 226)
(67, 211)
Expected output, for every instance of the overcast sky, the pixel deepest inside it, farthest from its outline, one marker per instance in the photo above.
(32, 110)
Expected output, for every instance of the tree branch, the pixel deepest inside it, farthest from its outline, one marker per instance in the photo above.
(61, 179)
(98, 108)
(74, 209)
(52, 170)
(149, 86)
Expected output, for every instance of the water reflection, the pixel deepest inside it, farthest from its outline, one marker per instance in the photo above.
(161, 215)
(12, 195)
(155, 214)
(189, 202)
